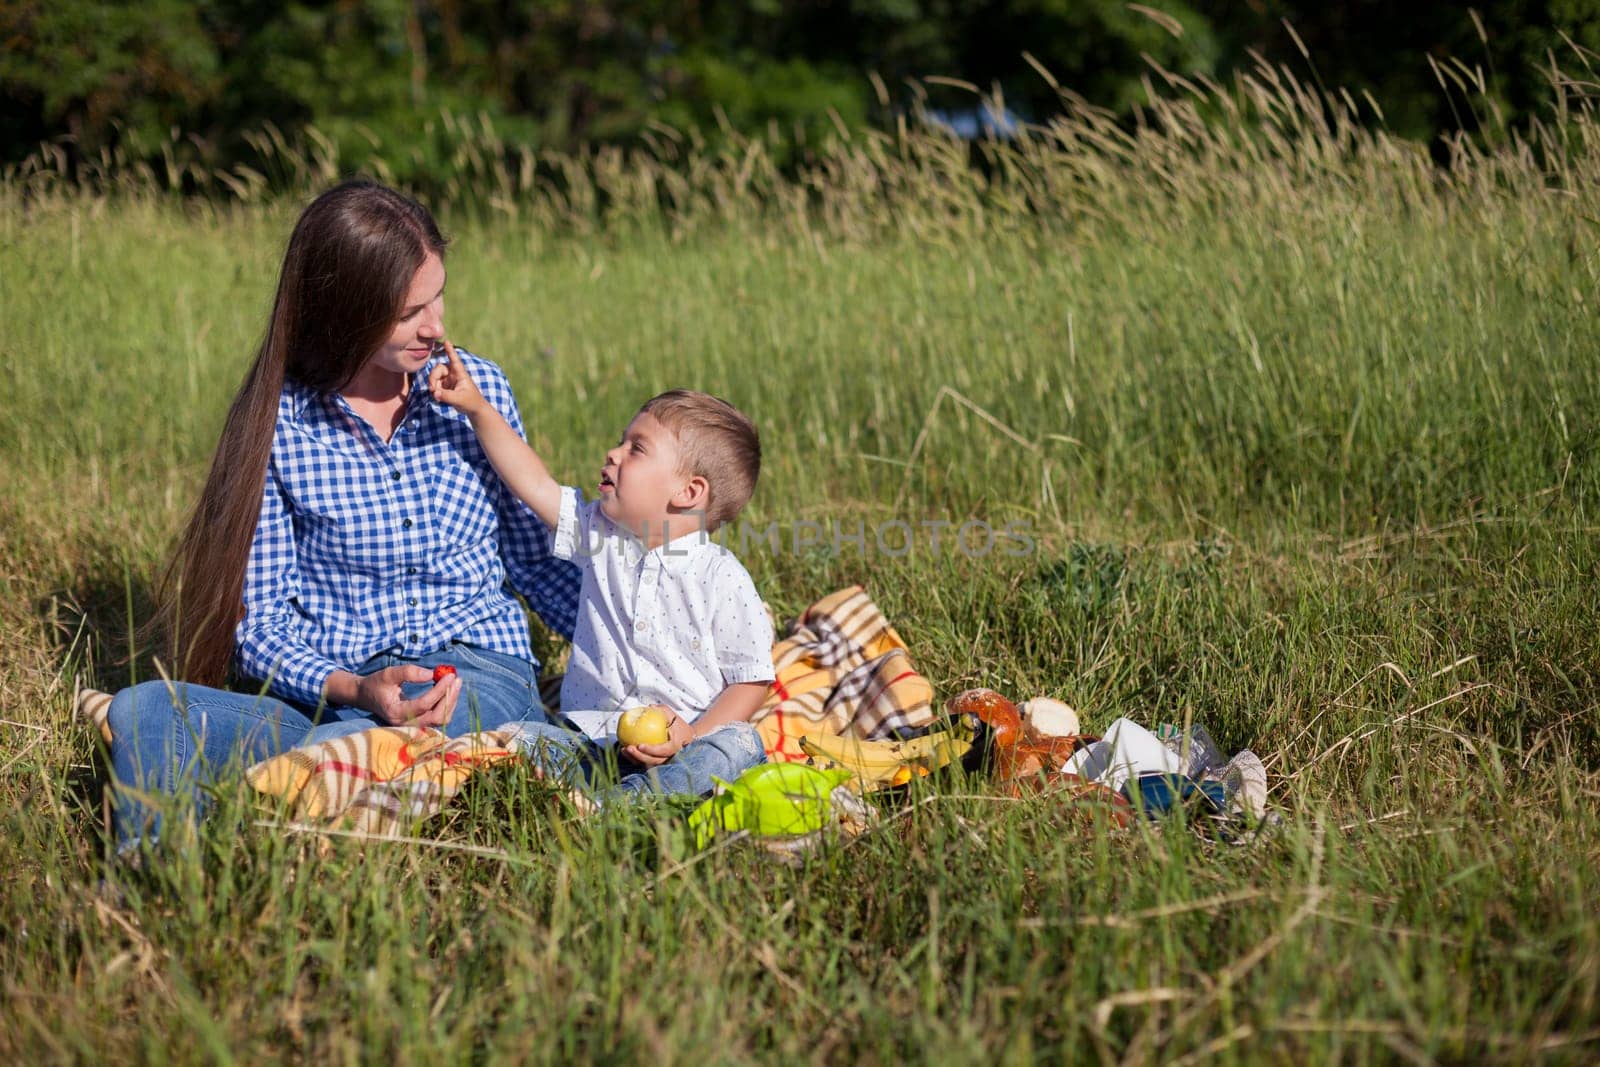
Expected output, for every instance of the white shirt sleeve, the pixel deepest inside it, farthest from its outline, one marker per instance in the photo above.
(574, 533)
(741, 627)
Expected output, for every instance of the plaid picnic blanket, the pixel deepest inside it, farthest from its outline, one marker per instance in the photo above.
(840, 669)
(379, 781)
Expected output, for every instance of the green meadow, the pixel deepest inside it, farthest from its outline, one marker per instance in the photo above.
(1301, 427)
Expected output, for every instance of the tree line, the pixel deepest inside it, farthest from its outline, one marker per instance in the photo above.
(371, 75)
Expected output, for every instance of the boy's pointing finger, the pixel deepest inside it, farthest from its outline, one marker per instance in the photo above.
(451, 355)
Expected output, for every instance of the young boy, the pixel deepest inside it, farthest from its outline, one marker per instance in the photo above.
(666, 616)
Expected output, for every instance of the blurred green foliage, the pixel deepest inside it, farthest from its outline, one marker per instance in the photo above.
(378, 77)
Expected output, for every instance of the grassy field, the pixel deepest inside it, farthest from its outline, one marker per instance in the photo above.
(1304, 430)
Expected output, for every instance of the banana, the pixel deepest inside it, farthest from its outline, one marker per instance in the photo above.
(875, 764)
(872, 755)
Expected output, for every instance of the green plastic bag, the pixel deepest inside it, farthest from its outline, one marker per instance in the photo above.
(772, 800)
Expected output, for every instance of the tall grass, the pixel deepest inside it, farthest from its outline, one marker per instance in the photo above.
(1301, 423)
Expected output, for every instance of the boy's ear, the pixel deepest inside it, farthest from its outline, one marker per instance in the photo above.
(696, 492)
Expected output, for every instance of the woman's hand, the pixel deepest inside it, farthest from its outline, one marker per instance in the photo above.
(679, 734)
(380, 694)
(451, 384)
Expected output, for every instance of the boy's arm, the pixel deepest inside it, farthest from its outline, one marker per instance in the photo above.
(518, 465)
(736, 703)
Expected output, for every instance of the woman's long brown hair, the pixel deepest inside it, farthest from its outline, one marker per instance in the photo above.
(349, 264)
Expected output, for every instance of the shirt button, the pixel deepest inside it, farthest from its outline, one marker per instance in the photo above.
(415, 423)
(406, 524)
(395, 475)
(641, 626)
(412, 601)
(415, 639)
(411, 570)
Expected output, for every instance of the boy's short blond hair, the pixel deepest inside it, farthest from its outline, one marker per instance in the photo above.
(717, 442)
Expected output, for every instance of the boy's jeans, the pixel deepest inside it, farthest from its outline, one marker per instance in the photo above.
(570, 756)
(161, 745)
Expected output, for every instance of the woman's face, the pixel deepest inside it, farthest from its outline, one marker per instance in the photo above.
(421, 322)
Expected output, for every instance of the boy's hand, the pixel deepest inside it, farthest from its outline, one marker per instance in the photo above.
(679, 734)
(451, 384)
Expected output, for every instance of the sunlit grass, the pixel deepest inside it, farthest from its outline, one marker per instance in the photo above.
(1302, 430)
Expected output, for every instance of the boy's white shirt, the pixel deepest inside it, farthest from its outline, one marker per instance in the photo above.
(673, 625)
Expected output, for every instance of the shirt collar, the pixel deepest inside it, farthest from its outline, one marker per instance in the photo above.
(320, 414)
(674, 556)
(296, 396)
(681, 552)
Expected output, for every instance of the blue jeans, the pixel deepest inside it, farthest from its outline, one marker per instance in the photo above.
(570, 756)
(171, 741)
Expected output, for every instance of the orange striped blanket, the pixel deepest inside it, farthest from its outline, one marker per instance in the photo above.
(842, 669)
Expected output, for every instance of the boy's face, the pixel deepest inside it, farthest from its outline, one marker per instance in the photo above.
(641, 478)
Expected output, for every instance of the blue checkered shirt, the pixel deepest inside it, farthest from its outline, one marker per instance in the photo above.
(367, 546)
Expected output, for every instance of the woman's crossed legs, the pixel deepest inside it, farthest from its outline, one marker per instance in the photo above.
(169, 740)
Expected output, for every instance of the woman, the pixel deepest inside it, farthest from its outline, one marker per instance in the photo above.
(351, 534)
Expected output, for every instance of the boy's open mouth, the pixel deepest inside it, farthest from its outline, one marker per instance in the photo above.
(605, 481)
